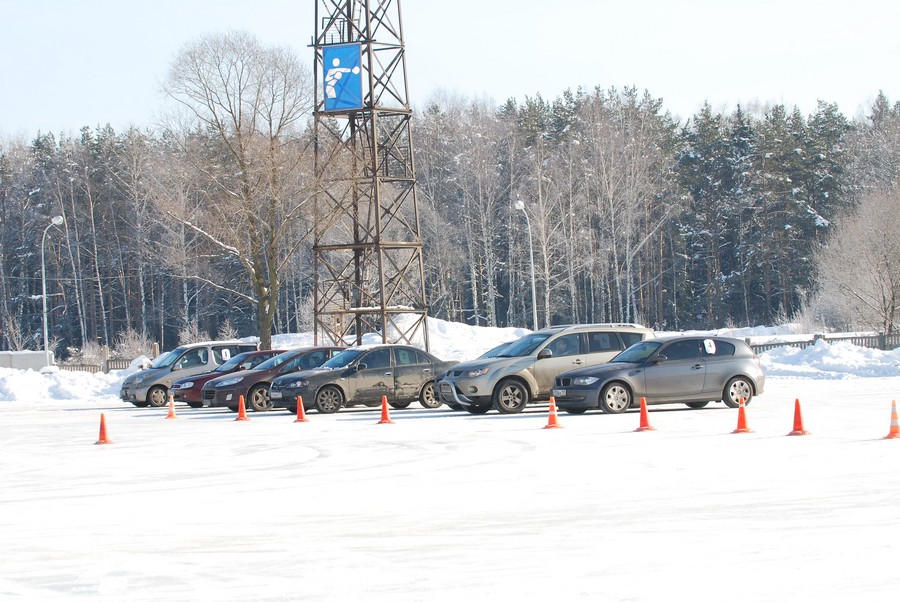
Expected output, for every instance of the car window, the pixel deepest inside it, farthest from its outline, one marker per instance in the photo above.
(713, 348)
(256, 360)
(683, 350)
(603, 341)
(194, 357)
(377, 358)
(292, 364)
(405, 357)
(313, 359)
(630, 338)
(421, 358)
(569, 344)
(525, 345)
(638, 352)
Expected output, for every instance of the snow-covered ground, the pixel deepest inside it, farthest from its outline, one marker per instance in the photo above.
(443, 505)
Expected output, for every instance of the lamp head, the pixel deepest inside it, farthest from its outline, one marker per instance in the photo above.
(519, 205)
(56, 220)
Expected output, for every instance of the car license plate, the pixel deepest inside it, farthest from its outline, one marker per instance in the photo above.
(275, 394)
(559, 392)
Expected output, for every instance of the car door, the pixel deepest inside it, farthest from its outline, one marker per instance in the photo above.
(412, 369)
(720, 367)
(602, 346)
(680, 375)
(375, 379)
(568, 354)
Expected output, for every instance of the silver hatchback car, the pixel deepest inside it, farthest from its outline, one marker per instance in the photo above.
(524, 371)
(693, 370)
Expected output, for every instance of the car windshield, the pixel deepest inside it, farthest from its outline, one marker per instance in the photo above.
(524, 346)
(234, 362)
(343, 359)
(274, 362)
(495, 351)
(167, 359)
(638, 352)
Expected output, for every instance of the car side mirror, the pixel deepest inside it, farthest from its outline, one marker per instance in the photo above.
(660, 359)
(361, 366)
(544, 353)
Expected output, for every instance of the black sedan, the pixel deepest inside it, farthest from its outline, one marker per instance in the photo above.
(361, 376)
(693, 370)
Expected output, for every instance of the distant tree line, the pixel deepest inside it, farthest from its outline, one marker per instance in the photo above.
(201, 226)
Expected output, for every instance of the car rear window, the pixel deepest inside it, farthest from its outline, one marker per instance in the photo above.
(721, 348)
(630, 338)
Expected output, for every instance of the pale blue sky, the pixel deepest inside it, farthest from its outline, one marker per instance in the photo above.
(69, 63)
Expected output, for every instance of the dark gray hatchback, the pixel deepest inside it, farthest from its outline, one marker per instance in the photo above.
(693, 370)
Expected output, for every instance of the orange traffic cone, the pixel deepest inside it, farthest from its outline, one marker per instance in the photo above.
(895, 430)
(742, 420)
(104, 438)
(798, 420)
(552, 422)
(385, 416)
(645, 420)
(171, 409)
(242, 411)
(301, 413)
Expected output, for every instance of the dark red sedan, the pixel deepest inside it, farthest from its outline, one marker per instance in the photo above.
(187, 390)
(254, 384)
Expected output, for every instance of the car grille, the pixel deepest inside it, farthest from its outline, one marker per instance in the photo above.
(563, 382)
(209, 394)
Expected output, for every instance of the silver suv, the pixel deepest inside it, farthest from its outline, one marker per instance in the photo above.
(150, 387)
(525, 370)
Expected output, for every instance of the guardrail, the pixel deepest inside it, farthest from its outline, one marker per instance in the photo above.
(884, 342)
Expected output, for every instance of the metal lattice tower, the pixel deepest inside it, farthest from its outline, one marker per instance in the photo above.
(368, 264)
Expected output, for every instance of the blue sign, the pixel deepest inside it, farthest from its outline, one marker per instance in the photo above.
(343, 79)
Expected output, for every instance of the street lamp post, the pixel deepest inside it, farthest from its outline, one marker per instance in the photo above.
(521, 205)
(56, 220)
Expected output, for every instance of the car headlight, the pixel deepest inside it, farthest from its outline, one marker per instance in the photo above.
(229, 381)
(298, 384)
(478, 372)
(186, 385)
(139, 379)
(584, 380)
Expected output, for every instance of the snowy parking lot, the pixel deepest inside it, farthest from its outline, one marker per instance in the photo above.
(443, 505)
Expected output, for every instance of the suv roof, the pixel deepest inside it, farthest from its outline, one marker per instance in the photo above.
(562, 327)
(205, 343)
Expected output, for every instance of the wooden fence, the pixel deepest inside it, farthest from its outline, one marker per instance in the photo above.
(884, 342)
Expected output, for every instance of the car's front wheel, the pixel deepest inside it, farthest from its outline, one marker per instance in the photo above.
(575, 410)
(428, 397)
(735, 389)
(195, 404)
(478, 408)
(157, 397)
(259, 398)
(697, 404)
(510, 397)
(329, 400)
(615, 398)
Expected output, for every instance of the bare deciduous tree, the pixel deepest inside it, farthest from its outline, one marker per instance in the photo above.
(859, 270)
(246, 104)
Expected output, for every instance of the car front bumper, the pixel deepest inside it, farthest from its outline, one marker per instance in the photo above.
(133, 393)
(449, 391)
(582, 399)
